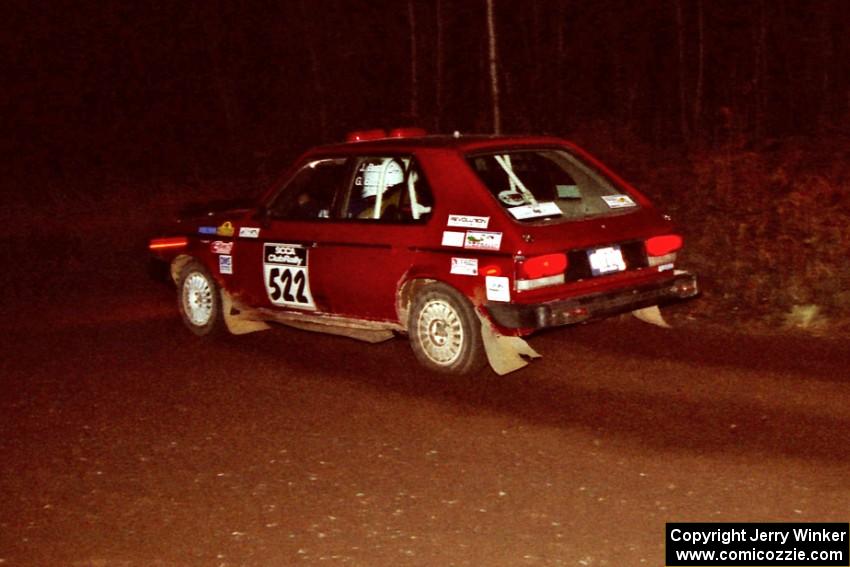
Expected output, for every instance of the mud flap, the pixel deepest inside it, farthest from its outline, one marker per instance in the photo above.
(238, 323)
(651, 315)
(505, 354)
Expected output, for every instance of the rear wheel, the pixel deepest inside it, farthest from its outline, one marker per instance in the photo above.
(199, 300)
(444, 331)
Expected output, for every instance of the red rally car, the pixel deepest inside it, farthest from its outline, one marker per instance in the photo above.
(464, 243)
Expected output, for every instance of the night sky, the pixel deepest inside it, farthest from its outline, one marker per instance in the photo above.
(153, 88)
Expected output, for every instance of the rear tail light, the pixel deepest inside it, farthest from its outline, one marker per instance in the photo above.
(661, 250)
(541, 271)
(663, 245)
(166, 243)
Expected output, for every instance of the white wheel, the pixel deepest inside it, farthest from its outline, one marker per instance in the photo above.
(440, 331)
(444, 331)
(199, 301)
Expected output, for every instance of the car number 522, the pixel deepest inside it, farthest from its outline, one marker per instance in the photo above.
(289, 286)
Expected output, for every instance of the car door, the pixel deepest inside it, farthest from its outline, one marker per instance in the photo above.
(282, 263)
(370, 249)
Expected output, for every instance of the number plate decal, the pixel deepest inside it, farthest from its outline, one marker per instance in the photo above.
(606, 260)
(286, 275)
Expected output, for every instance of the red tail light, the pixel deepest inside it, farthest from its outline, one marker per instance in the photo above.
(542, 266)
(165, 243)
(661, 245)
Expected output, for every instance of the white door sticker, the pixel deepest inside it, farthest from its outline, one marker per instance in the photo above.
(225, 264)
(451, 238)
(498, 288)
(465, 266)
(249, 232)
(286, 275)
(468, 221)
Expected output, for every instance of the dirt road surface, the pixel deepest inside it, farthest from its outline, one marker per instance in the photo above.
(126, 441)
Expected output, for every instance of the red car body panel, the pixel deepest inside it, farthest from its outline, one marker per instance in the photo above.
(357, 268)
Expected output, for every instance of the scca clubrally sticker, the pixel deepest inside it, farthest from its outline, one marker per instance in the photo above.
(287, 276)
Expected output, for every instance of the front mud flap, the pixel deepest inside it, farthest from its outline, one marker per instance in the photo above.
(238, 323)
(505, 354)
(651, 315)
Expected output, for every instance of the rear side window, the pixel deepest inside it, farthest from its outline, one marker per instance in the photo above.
(549, 184)
(388, 189)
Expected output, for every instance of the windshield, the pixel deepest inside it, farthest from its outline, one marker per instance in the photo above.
(549, 184)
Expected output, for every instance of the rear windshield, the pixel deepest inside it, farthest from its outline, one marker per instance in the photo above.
(549, 184)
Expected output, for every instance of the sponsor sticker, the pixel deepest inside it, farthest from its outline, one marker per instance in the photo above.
(221, 247)
(249, 232)
(207, 230)
(225, 264)
(286, 275)
(618, 201)
(452, 238)
(665, 267)
(226, 229)
(498, 288)
(547, 209)
(482, 240)
(468, 221)
(465, 266)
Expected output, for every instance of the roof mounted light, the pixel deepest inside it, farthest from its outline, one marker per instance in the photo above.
(365, 135)
(407, 132)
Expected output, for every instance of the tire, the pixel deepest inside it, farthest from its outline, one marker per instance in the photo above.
(444, 331)
(199, 301)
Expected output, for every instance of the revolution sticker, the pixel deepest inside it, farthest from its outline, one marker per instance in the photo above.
(225, 264)
(286, 275)
(464, 266)
(468, 221)
(249, 232)
(483, 240)
(207, 230)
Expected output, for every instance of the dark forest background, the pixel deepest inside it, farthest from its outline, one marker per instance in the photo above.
(159, 87)
(734, 115)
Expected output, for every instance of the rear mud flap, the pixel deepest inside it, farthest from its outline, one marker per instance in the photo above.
(505, 354)
(651, 315)
(238, 323)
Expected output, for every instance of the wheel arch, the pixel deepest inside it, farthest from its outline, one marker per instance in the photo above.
(177, 265)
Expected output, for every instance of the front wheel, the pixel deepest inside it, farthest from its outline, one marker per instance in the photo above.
(444, 331)
(199, 300)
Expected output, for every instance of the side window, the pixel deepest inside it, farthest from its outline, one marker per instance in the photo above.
(388, 189)
(310, 194)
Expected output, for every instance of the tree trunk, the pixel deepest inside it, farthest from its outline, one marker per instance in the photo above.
(438, 80)
(683, 79)
(494, 68)
(697, 119)
(414, 79)
(315, 70)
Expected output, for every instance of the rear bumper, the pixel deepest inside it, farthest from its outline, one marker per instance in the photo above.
(577, 309)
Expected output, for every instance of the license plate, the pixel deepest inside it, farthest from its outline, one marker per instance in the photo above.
(606, 260)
